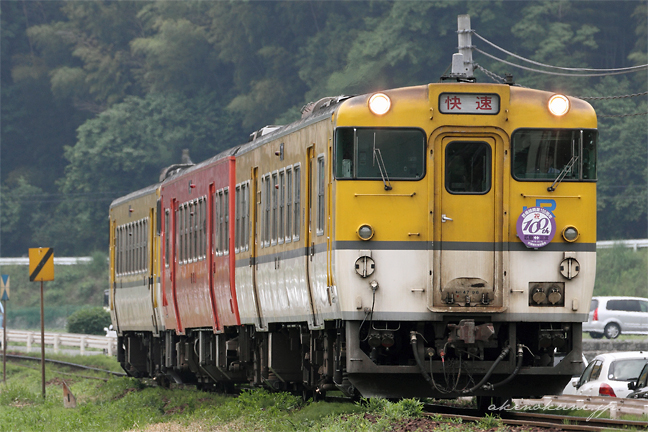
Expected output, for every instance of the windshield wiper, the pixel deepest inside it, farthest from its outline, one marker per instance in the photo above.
(377, 156)
(563, 173)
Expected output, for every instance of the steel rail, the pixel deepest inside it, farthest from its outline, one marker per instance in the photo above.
(603, 423)
(540, 421)
(62, 363)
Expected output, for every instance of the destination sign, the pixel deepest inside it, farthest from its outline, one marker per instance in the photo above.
(469, 103)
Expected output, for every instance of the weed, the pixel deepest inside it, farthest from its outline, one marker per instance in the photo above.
(489, 421)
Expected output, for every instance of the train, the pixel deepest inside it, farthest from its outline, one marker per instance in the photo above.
(433, 241)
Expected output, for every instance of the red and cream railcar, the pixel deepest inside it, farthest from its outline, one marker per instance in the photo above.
(198, 281)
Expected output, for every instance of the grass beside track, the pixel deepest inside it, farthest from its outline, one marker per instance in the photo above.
(127, 404)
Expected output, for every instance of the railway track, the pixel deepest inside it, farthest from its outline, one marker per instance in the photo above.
(537, 420)
(16, 357)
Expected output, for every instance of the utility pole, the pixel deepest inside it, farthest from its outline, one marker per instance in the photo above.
(462, 62)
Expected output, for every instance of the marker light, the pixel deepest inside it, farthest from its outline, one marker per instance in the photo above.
(379, 103)
(365, 232)
(570, 233)
(558, 105)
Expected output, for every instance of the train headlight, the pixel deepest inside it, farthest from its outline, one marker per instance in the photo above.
(365, 232)
(379, 103)
(570, 234)
(558, 105)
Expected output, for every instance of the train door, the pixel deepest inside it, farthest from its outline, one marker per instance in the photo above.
(311, 218)
(211, 235)
(255, 211)
(467, 217)
(152, 273)
(116, 259)
(176, 229)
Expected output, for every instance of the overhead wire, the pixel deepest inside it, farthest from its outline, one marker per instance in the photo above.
(552, 73)
(624, 70)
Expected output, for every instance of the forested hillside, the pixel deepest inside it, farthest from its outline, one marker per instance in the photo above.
(99, 96)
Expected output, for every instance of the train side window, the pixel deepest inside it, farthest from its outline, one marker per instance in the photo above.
(245, 194)
(185, 232)
(226, 214)
(344, 152)
(180, 234)
(135, 245)
(468, 168)
(297, 203)
(118, 250)
(196, 237)
(274, 189)
(237, 215)
(129, 236)
(145, 226)
(282, 207)
(266, 220)
(188, 231)
(216, 223)
(166, 238)
(289, 198)
(120, 266)
(144, 245)
(203, 227)
(220, 223)
(138, 246)
(321, 185)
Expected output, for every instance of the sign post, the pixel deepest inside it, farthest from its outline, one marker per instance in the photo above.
(41, 268)
(4, 296)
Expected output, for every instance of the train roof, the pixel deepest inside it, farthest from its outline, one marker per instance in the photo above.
(222, 155)
(316, 112)
(134, 195)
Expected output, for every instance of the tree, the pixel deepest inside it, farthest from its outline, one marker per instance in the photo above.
(124, 149)
(88, 321)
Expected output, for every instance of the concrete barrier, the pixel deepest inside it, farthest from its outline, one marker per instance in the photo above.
(594, 347)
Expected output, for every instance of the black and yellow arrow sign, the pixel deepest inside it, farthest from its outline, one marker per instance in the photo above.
(41, 264)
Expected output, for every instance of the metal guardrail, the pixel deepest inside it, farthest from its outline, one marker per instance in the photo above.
(57, 261)
(634, 244)
(58, 340)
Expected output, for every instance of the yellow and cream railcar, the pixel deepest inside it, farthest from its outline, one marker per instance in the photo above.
(135, 265)
(394, 236)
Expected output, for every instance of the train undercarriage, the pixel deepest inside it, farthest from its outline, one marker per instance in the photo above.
(447, 359)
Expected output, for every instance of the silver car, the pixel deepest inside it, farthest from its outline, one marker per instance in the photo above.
(612, 316)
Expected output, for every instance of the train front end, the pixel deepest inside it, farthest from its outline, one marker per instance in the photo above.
(465, 239)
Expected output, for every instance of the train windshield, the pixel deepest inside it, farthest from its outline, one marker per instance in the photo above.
(543, 154)
(375, 154)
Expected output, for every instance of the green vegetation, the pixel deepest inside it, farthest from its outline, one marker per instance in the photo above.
(621, 271)
(99, 96)
(89, 321)
(128, 404)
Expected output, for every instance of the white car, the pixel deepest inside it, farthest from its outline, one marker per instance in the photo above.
(570, 388)
(609, 374)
